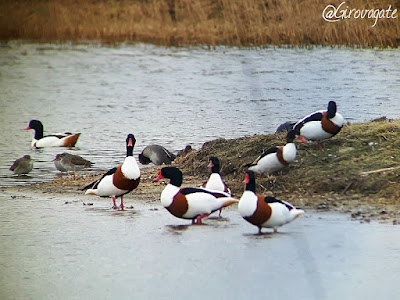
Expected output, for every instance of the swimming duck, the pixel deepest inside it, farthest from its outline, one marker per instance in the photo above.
(190, 203)
(120, 180)
(276, 158)
(55, 140)
(22, 165)
(263, 211)
(156, 154)
(320, 125)
(66, 162)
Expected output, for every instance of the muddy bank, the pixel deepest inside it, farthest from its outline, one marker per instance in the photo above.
(356, 173)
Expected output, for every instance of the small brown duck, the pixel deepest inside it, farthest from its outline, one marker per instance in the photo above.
(22, 165)
(66, 162)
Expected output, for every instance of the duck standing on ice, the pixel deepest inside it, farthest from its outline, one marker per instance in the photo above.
(55, 140)
(215, 181)
(190, 203)
(263, 211)
(120, 180)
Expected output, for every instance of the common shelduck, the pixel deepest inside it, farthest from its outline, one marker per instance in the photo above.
(55, 140)
(119, 180)
(156, 154)
(320, 125)
(22, 165)
(190, 203)
(276, 158)
(263, 211)
(215, 181)
(66, 162)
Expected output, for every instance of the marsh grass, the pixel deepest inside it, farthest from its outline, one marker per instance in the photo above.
(185, 22)
(337, 169)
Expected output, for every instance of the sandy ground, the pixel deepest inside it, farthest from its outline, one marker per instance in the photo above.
(359, 207)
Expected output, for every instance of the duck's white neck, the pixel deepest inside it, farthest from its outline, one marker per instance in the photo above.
(130, 168)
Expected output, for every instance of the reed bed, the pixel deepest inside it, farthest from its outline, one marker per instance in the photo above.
(201, 22)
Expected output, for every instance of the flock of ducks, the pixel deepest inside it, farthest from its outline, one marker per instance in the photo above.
(196, 203)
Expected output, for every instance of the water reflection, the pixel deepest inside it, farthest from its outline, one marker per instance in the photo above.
(53, 250)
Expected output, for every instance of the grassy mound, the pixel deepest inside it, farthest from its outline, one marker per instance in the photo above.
(363, 159)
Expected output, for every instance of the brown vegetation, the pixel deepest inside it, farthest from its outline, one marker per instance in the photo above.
(206, 22)
(361, 163)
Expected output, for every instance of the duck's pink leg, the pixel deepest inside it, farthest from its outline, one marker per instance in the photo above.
(200, 217)
(122, 203)
(115, 205)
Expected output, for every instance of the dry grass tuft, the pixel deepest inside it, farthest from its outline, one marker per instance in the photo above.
(185, 22)
(335, 170)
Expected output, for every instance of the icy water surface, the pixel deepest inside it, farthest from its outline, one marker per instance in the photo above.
(53, 250)
(176, 96)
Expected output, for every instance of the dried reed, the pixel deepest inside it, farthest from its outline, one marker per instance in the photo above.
(185, 22)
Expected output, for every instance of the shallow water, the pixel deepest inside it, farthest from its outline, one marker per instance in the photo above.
(53, 250)
(176, 96)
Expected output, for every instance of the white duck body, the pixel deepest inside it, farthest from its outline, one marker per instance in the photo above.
(215, 183)
(263, 211)
(54, 140)
(270, 163)
(321, 124)
(107, 185)
(190, 203)
(276, 158)
(280, 213)
(48, 141)
(119, 180)
(314, 131)
(199, 202)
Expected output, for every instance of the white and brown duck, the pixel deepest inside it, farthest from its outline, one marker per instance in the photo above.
(120, 180)
(190, 203)
(54, 140)
(264, 211)
(277, 157)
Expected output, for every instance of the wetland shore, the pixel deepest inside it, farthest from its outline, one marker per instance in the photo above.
(356, 173)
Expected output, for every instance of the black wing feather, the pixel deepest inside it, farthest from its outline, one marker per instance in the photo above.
(314, 117)
(274, 200)
(189, 190)
(94, 183)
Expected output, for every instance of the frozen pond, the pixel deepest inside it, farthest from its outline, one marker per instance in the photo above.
(53, 250)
